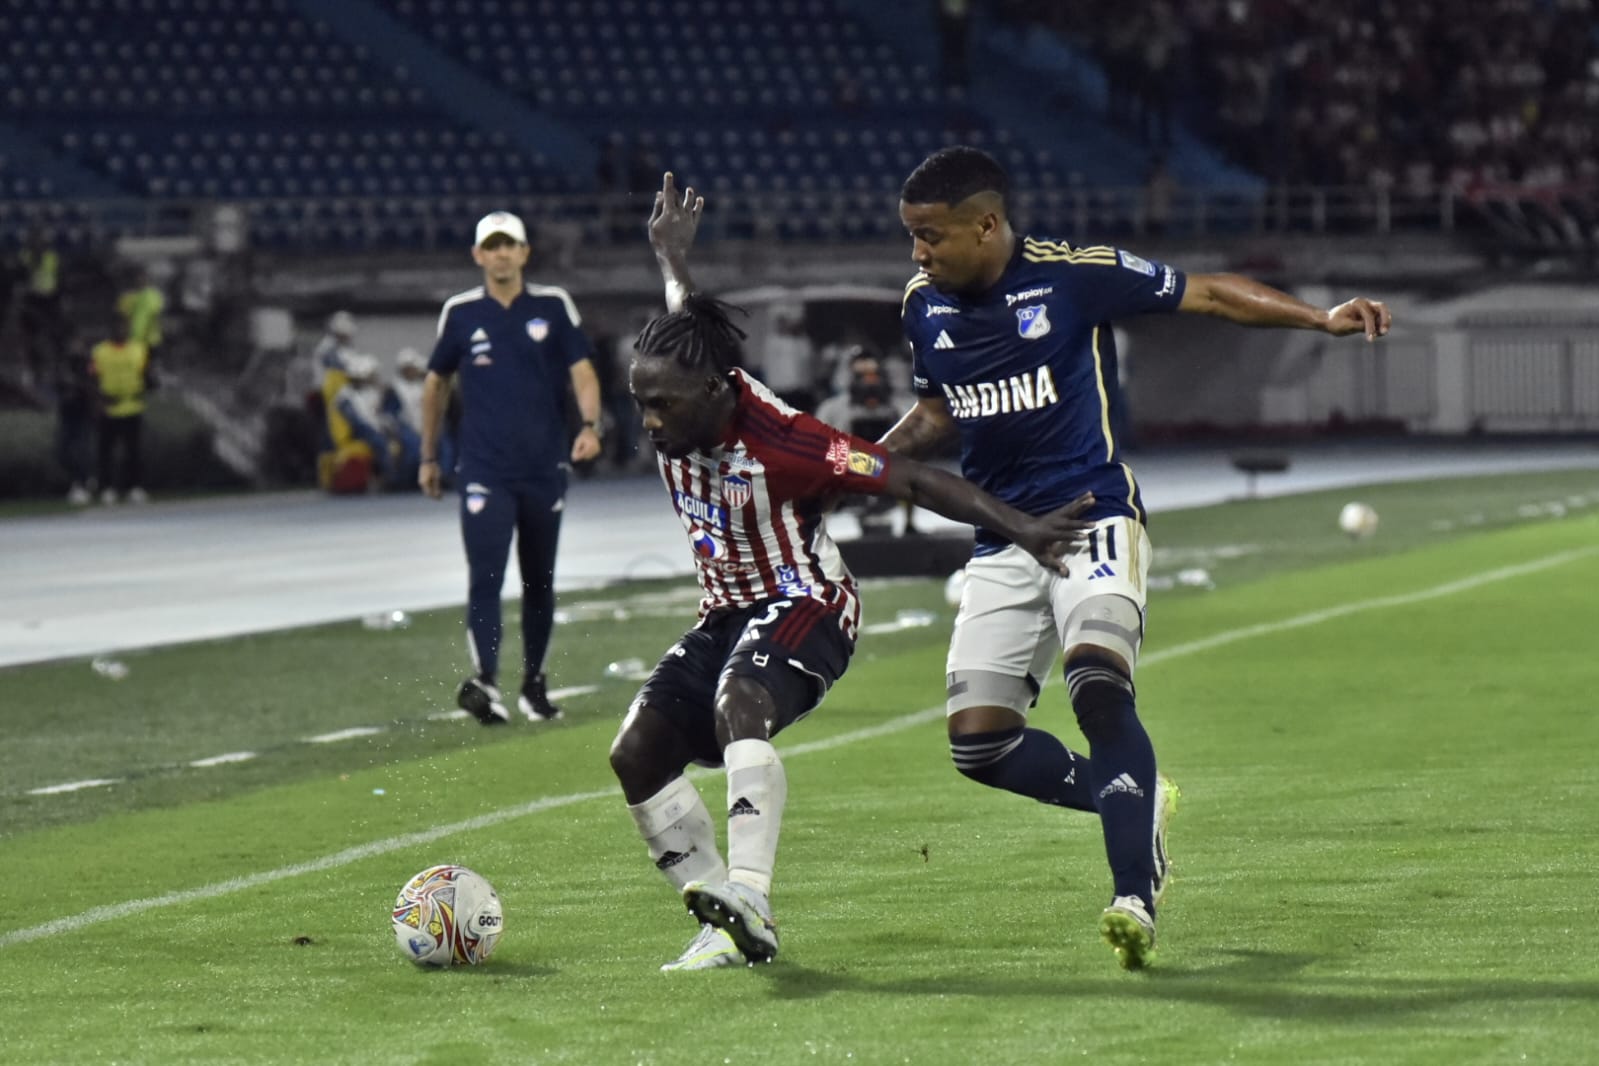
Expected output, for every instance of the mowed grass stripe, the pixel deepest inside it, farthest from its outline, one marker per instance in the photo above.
(378, 847)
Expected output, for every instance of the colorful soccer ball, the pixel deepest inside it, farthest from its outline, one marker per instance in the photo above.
(447, 916)
(1358, 519)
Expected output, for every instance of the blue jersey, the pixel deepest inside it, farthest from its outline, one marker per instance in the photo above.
(1028, 370)
(514, 365)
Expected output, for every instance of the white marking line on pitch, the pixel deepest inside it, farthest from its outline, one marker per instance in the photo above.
(115, 911)
(73, 786)
(345, 734)
(228, 757)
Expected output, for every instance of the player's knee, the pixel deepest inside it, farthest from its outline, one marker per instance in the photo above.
(1109, 626)
(978, 755)
(1101, 694)
(968, 689)
(744, 709)
(645, 753)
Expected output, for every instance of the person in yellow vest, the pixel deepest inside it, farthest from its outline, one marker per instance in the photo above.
(41, 319)
(119, 367)
(141, 306)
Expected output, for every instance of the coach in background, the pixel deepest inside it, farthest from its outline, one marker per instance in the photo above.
(518, 349)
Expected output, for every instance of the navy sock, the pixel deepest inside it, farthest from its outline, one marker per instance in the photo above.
(1028, 762)
(1122, 768)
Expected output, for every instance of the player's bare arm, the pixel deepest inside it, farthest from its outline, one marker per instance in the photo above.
(435, 394)
(925, 429)
(1048, 538)
(1251, 303)
(586, 386)
(673, 223)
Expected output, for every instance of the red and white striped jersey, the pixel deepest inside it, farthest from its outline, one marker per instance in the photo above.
(752, 507)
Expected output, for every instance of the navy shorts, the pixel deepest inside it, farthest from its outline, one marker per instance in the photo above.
(794, 648)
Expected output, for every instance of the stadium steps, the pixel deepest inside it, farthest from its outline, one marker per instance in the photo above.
(453, 88)
(58, 178)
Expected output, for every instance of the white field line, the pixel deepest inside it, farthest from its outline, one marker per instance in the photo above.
(73, 786)
(224, 759)
(344, 734)
(115, 911)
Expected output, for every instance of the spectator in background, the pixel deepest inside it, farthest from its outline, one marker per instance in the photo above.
(330, 352)
(141, 307)
(868, 407)
(41, 318)
(120, 366)
(75, 407)
(401, 408)
(358, 455)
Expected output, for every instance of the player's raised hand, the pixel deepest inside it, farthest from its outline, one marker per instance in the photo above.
(1360, 315)
(1054, 537)
(675, 218)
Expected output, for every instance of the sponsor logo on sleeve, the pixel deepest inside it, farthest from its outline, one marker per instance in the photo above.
(838, 455)
(941, 309)
(1134, 263)
(1168, 284)
(865, 464)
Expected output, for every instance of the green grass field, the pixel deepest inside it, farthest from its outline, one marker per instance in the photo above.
(1384, 854)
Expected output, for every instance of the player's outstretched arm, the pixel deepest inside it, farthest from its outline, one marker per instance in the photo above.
(1048, 538)
(673, 222)
(1251, 303)
(924, 428)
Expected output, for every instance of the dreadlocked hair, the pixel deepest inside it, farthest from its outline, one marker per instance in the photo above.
(700, 337)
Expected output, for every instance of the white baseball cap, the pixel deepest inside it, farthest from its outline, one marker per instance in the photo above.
(500, 222)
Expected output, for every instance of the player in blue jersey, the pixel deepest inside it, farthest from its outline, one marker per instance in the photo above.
(1014, 356)
(518, 351)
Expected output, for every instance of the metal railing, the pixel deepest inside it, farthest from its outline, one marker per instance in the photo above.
(427, 224)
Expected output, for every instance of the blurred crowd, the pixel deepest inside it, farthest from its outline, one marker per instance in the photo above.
(1411, 95)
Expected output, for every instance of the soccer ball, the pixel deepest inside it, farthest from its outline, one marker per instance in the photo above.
(1358, 519)
(447, 916)
(955, 587)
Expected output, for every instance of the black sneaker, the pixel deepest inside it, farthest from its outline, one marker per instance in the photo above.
(534, 702)
(482, 700)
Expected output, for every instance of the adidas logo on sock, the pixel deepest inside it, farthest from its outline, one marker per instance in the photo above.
(1122, 783)
(744, 806)
(943, 340)
(670, 859)
(1102, 570)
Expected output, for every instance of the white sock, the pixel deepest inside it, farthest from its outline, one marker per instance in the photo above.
(756, 791)
(677, 828)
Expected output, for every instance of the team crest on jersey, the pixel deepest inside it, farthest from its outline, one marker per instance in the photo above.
(475, 503)
(705, 545)
(538, 328)
(735, 490)
(865, 464)
(1032, 322)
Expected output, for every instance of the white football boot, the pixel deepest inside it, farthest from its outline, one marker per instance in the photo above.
(710, 948)
(743, 912)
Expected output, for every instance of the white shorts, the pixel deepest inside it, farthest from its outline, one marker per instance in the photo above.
(1013, 612)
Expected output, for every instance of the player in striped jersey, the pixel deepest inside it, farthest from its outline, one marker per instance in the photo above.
(1013, 355)
(750, 478)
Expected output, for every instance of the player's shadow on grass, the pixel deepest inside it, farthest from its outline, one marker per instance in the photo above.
(1254, 983)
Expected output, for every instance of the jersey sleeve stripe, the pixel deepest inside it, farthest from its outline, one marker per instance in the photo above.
(562, 295)
(458, 298)
(916, 283)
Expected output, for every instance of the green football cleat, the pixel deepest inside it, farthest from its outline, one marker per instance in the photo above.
(1166, 795)
(1130, 931)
